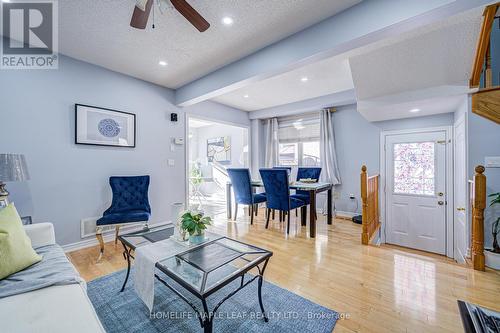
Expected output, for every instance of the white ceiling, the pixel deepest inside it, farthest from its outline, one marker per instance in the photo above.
(427, 68)
(98, 31)
(436, 58)
(323, 78)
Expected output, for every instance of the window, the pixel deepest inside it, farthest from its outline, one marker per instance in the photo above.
(414, 168)
(299, 141)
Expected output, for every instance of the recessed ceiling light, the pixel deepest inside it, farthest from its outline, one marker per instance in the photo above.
(246, 96)
(227, 20)
(414, 110)
(304, 79)
(162, 63)
(6, 1)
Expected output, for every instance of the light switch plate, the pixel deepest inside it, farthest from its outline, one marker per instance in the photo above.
(492, 161)
(171, 162)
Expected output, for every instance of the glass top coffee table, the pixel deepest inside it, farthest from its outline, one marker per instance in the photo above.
(203, 269)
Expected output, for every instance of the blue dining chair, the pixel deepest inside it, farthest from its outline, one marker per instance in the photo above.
(243, 194)
(278, 193)
(304, 173)
(130, 204)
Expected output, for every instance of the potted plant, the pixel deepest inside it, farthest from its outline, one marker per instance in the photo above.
(493, 255)
(195, 224)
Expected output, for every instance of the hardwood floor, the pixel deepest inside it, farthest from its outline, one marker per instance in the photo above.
(380, 289)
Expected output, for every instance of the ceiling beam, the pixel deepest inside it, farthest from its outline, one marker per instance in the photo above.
(362, 24)
(314, 104)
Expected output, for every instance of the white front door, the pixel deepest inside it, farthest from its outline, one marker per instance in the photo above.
(415, 190)
(461, 188)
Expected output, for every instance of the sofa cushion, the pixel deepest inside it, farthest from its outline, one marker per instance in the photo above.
(16, 252)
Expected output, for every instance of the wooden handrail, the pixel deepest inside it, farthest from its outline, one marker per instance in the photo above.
(483, 44)
(370, 210)
(478, 198)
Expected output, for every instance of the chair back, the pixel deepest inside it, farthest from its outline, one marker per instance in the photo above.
(129, 194)
(277, 188)
(242, 187)
(289, 169)
(309, 172)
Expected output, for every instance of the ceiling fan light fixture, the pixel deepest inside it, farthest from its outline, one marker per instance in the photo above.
(141, 4)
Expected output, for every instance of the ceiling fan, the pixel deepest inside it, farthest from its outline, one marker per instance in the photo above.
(143, 9)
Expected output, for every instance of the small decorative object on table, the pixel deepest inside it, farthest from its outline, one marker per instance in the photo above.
(195, 224)
(177, 209)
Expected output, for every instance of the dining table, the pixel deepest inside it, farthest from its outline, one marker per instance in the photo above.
(312, 188)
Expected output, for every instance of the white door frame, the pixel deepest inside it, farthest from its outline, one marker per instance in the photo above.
(449, 181)
(188, 115)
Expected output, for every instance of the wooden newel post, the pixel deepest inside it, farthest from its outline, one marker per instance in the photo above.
(364, 200)
(479, 205)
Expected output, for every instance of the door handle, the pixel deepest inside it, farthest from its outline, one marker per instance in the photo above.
(440, 203)
(461, 209)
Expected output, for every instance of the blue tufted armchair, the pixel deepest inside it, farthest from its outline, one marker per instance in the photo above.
(243, 194)
(130, 205)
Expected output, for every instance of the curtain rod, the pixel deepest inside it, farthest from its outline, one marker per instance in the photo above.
(331, 109)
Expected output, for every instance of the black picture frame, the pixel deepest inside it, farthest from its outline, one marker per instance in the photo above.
(78, 105)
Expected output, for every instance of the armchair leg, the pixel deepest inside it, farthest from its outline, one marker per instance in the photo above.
(251, 208)
(235, 210)
(273, 214)
(288, 223)
(98, 235)
(256, 210)
(117, 231)
(268, 215)
(296, 212)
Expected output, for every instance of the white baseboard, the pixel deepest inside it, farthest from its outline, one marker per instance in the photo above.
(92, 241)
(340, 213)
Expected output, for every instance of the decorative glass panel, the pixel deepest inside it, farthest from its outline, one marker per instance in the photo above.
(414, 168)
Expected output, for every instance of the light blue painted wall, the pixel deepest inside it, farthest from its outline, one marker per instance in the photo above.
(70, 182)
(484, 140)
(358, 143)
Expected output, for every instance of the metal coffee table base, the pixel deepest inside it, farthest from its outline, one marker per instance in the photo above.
(205, 316)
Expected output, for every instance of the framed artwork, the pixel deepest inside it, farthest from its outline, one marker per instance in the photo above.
(104, 127)
(219, 149)
(26, 220)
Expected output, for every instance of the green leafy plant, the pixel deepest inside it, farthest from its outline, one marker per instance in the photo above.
(196, 176)
(195, 223)
(495, 227)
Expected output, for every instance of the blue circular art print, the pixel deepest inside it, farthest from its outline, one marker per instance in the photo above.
(109, 128)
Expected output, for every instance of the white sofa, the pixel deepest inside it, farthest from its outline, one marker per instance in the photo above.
(55, 309)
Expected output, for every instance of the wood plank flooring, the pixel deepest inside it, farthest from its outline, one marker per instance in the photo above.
(379, 289)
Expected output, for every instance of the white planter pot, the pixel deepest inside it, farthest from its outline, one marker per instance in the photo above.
(492, 259)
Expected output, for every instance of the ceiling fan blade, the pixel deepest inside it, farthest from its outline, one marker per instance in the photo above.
(191, 14)
(140, 17)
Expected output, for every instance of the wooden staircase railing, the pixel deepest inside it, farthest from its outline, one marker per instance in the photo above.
(485, 102)
(478, 201)
(369, 198)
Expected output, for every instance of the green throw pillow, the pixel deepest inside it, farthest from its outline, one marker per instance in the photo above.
(16, 252)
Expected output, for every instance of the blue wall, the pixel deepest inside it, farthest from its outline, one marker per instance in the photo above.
(358, 143)
(70, 182)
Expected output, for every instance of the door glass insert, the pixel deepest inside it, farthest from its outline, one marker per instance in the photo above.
(414, 168)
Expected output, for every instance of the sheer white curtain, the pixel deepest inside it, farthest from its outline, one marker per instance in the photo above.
(330, 170)
(272, 143)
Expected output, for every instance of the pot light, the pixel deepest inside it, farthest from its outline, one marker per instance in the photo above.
(414, 110)
(246, 96)
(162, 63)
(304, 79)
(227, 20)
(6, 1)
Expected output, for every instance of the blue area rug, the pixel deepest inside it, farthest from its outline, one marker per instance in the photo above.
(125, 312)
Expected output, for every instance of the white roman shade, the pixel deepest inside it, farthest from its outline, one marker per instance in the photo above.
(299, 129)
